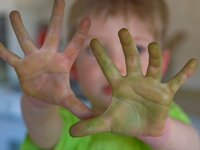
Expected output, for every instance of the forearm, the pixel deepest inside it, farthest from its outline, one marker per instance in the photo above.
(43, 121)
(177, 135)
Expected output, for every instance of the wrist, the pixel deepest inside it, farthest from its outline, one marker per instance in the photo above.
(34, 101)
(160, 141)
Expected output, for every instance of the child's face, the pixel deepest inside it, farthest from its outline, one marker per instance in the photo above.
(86, 69)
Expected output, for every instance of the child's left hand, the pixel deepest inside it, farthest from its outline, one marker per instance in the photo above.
(140, 104)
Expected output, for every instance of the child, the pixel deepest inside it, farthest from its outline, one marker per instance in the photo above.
(127, 96)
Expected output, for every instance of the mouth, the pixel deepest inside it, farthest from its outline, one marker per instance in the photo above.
(107, 89)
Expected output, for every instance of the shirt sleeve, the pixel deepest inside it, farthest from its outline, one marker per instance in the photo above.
(28, 144)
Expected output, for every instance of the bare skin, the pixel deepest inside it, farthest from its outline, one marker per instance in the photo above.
(139, 105)
(44, 77)
(44, 73)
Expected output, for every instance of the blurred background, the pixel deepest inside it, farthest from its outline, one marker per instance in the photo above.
(183, 41)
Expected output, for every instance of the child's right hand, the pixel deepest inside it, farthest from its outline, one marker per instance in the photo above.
(44, 73)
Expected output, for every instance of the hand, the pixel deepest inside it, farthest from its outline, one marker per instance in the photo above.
(44, 73)
(140, 104)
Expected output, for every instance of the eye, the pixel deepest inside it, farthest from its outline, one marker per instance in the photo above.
(139, 48)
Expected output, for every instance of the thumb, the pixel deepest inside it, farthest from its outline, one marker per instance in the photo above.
(77, 107)
(90, 126)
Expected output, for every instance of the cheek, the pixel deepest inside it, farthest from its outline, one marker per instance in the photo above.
(88, 75)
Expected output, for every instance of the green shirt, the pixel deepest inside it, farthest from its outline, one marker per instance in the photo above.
(101, 141)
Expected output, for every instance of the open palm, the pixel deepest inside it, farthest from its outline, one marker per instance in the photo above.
(140, 104)
(44, 73)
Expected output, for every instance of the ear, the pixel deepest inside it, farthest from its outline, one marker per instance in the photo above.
(73, 73)
(165, 60)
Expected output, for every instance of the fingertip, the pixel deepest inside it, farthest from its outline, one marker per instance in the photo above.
(71, 132)
(14, 14)
(74, 130)
(15, 19)
(95, 45)
(123, 31)
(1, 48)
(154, 50)
(84, 26)
(1, 45)
(193, 62)
(86, 19)
(86, 22)
(125, 37)
(93, 42)
(153, 45)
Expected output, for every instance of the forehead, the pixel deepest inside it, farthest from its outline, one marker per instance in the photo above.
(111, 25)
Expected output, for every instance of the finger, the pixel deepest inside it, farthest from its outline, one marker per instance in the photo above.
(77, 107)
(74, 46)
(22, 35)
(52, 38)
(154, 69)
(90, 126)
(182, 76)
(107, 65)
(8, 56)
(132, 56)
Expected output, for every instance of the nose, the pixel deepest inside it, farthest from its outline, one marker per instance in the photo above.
(119, 60)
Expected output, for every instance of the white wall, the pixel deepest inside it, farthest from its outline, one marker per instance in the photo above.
(185, 15)
(5, 7)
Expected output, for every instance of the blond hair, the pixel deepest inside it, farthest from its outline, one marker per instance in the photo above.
(152, 12)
